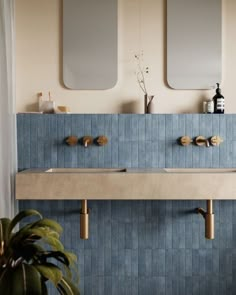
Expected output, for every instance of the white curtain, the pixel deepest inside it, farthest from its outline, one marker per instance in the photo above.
(7, 109)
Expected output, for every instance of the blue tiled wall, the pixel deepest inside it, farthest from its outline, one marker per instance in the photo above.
(139, 247)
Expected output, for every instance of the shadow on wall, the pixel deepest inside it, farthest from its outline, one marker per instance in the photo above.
(131, 107)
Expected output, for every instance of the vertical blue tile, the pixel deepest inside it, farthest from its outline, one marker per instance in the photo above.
(141, 128)
(223, 147)
(216, 131)
(155, 155)
(149, 149)
(26, 148)
(95, 121)
(127, 128)
(178, 129)
(20, 142)
(90, 152)
(169, 262)
(107, 285)
(88, 124)
(121, 127)
(169, 225)
(188, 263)
(121, 285)
(189, 132)
(188, 285)
(61, 146)
(115, 143)
(128, 236)
(107, 151)
(169, 141)
(52, 143)
(169, 289)
(74, 149)
(196, 285)
(229, 136)
(226, 257)
(142, 154)
(195, 149)
(148, 128)
(34, 126)
(134, 154)
(158, 262)
(142, 236)
(115, 262)
(155, 127)
(41, 138)
(134, 264)
(68, 149)
(188, 235)
(79, 125)
(134, 128)
(88, 287)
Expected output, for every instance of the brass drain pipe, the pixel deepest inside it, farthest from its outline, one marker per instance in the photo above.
(84, 220)
(209, 220)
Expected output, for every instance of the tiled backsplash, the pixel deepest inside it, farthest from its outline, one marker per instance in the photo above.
(139, 247)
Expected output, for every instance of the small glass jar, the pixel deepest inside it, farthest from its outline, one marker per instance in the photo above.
(210, 107)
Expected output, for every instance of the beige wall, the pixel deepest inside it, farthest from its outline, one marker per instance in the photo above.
(141, 27)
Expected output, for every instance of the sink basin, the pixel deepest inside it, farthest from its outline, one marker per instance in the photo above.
(126, 184)
(84, 170)
(199, 170)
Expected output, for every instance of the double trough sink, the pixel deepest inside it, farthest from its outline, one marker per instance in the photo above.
(126, 184)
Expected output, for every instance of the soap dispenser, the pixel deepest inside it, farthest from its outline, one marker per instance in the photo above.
(219, 101)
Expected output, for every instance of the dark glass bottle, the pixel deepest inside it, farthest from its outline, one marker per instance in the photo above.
(219, 101)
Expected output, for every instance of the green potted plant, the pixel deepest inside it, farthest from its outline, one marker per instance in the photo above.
(33, 255)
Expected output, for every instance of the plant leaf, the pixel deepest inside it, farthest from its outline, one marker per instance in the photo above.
(22, 280)
(53, 225)
(25, 259)
(34, 234)
(68, 287)
(28, 251)
(4, 229)
(21, 215)
(50, 272)
(58, 255)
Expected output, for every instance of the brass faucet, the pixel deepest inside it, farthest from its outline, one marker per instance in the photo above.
(87, 140)
(208, 215)
(84, 220)
(201, 140)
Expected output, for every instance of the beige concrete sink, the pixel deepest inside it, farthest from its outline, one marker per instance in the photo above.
(84, 170)
(199, 170)
(126, 184)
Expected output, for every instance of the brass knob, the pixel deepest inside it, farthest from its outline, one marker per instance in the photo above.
(87, 140)
(71, 140)
(216, 140)
(102, 140)
(185, 140)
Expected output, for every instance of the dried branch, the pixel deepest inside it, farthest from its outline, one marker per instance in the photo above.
(140, 73)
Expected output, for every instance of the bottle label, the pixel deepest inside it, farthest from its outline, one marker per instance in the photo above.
(210, 107)
(220, 104)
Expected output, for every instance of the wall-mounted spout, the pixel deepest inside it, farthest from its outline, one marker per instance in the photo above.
(84, 220)
(201, 141)
(87, 140)
(208, 215)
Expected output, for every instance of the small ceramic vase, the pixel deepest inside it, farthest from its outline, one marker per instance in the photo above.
(148, 104)
(151, 107)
